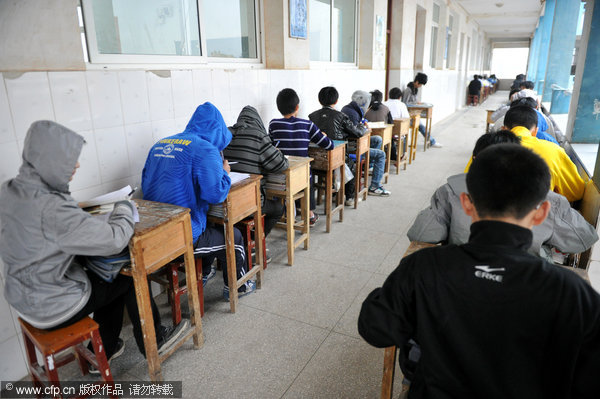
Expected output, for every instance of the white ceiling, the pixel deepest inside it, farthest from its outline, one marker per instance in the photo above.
(515, 20)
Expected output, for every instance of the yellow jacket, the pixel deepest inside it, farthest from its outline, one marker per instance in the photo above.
(564, 178)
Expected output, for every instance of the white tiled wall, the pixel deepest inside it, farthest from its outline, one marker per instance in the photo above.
(122, 113)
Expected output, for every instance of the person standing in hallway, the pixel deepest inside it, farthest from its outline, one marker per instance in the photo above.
(409, 96)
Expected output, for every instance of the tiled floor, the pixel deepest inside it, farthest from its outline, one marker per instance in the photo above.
(297, 336)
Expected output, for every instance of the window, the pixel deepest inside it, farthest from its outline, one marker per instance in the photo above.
(435, 19)
(447, 48)
(147, 31)
(332, 30)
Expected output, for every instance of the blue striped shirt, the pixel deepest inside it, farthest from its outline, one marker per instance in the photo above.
(293, 135)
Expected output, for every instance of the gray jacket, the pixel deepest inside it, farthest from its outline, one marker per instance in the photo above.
(444, 220)
(43, 230)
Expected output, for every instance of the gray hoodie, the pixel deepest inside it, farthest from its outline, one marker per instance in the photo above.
(444, 220)
(43, 230)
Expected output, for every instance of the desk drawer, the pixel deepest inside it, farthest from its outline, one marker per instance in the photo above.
(158, 248)
(337, 156)
(298, 179)
(320, 158)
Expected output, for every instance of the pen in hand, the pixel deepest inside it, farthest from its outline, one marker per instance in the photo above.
(131, 193)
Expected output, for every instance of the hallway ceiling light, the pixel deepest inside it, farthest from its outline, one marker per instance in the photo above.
(499, 4)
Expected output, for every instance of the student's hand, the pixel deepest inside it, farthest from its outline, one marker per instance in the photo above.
(324, 134)
(226, 166)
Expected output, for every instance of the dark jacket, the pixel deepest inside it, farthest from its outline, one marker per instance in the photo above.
(354, 112)
(475, 87)
(336, 124)
(492, 320)
(251, 147)
(379, 112)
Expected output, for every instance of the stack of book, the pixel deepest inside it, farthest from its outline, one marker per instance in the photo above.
(216, 210)
(275, 182)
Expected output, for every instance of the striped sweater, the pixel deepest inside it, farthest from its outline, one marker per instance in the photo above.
(251, 147)
(293, 135)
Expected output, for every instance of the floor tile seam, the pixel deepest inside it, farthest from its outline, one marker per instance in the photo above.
(354, 268)
(306, 364)
(286, 317)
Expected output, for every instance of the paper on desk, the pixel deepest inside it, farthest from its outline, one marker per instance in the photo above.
(108, 198)
(375, 125)
(237, 177)
(104, 211)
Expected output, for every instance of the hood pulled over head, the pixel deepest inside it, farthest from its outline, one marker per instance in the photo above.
(248, 118)
(362, 99)
(52, 151)
(208, 124)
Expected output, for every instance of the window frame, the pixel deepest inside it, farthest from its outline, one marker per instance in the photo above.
(323, 64)
(433, 47)
(96, 58)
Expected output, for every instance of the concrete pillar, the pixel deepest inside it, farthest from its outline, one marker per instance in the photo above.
(283, 51)
(545, 30)
(584, 113)
(562, 42)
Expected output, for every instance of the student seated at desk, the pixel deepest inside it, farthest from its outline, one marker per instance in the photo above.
(409, 96)
(46, 237)
(565, 179)
(542, 125)
(378, 111)
(475, 86)
(187, 170)
(252, 151)
(492, 321)
(293, 135)
(445, 221)
(396, 106)
(356, 110)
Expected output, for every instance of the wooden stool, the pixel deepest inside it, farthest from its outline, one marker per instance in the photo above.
(415, 120)
(246, 226)
(175, 290)
(400, 137)
(51, 342)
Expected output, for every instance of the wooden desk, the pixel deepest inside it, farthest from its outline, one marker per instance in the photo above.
(242, 201)
(389, 357)
(297, 177)
(328, 161)
(401, 130)
(163, 233)
(363, 145)
(488, 120)
(425, 111)
(385, 131)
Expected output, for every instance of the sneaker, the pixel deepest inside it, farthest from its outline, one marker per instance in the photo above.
(380, 191)
(313, 219)
(205, 279)
(254, 254)
(170, 335)
(118, 352)
(250, 288)
(436, 145)
(349, 202)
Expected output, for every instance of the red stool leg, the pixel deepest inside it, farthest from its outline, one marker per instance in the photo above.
(100, 356)
(174, 291)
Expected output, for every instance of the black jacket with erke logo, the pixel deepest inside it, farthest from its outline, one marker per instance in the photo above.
(492, 320)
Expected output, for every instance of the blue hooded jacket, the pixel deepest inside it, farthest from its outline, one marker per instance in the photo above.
(187, 169)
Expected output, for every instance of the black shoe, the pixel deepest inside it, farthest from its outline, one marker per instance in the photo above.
(170, 335)
(118, 352)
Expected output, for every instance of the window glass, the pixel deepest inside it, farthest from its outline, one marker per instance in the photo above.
(230, 28)
(432, 52)
(148, 27)
(436, 13)
(344, 18)
(320, 30)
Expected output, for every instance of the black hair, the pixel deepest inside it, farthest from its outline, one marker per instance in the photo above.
(475, 76)
(328, 96)
(507, 180)
(527, 84)
(488, 139)
(421, 78)
(513, 91)
(287, 100)
(376, 96)
(395, 93)
(526, 101)
(521, 115)
(520, 77)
